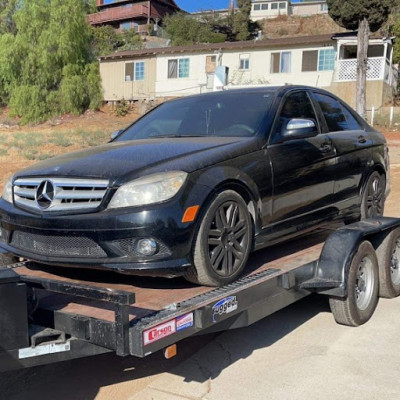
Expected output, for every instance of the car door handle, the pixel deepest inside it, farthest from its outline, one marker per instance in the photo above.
(361, 139)
(325, 148)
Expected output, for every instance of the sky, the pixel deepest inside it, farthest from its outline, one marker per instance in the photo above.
(197, 5)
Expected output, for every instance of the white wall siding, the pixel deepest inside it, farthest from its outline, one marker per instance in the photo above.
(196, 83)
(260, 69)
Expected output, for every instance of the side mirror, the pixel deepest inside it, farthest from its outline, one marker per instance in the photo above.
(115, 134)
(297, 128)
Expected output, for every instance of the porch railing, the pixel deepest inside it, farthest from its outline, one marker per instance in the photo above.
(118, 13)
(346, 70)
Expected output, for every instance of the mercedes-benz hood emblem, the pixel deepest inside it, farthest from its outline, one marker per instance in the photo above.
(45, 194)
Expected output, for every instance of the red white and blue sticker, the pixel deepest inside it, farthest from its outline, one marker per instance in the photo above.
(184, 321)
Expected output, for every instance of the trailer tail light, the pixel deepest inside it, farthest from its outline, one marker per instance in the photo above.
(170, 351)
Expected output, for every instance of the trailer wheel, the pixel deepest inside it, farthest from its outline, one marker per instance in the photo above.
(362, 289)
(223, 241)
(388, 254)
(373, 197)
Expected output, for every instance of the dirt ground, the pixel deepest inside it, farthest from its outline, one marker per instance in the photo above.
(21, 146)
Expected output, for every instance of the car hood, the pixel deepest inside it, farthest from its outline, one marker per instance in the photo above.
(126, 160)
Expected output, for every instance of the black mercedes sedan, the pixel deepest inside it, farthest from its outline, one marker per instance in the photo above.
(195, 185)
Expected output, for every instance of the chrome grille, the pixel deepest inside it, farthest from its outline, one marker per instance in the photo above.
(69, 194)
(68, 246)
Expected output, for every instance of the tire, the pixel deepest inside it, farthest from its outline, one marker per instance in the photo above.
(7, 260)
(362, 289)
(223, 241)
(373, 197)
(388, 254)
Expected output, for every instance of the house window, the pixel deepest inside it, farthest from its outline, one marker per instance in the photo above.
(282, 5)
(211, 64)
(183, 70)
(274, 6)
(139, 71)
(178, 68)
(318, 60)
(129, 67)
(324, 7)
(257, 7)
(134, 71)
(280, 62)
(326, 60)
(264, 6)
(244, 61)
(125, 26)
(310, 60)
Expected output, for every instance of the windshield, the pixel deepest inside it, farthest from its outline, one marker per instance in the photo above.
(225, 114)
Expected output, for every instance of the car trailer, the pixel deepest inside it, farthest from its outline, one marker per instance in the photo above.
(50, 314)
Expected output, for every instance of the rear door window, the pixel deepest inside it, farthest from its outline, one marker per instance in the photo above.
(352, 123)
(333, 113)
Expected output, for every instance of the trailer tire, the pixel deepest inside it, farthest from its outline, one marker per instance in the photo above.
(362, 289)
(388, 253)
(223, 241)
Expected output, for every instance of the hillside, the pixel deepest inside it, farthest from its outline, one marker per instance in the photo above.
(293, 25)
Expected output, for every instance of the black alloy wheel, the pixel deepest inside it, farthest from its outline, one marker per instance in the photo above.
(373, 199)
(223, 242)
(227, 238)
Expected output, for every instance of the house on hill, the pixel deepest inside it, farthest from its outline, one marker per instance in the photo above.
(326, 61)
(262, 9)
(132, 14)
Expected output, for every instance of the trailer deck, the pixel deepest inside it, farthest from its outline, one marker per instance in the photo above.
(155, 294)
(52, 314)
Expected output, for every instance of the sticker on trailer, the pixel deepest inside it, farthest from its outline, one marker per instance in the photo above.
(159, 332)
(44, 349)
(224, 306)
(184, 321)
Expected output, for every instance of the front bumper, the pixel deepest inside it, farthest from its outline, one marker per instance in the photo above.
(102, 240)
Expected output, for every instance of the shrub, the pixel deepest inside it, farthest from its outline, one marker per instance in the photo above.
(122, 108)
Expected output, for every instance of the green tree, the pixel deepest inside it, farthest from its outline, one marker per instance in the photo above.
(7, 10)
(105, 40)
(185, 30)
(392, 28)
(241, 20)
(365, 16)
(44, 66)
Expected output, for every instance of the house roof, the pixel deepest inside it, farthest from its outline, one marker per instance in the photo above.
(249, 44)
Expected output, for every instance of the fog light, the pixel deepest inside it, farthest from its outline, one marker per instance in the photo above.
(146, 247)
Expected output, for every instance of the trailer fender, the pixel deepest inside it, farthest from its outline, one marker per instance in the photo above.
(331, 271)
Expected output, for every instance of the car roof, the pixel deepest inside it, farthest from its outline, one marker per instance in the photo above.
(259, 89)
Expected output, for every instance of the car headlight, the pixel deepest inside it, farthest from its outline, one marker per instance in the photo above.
(7, 191)
(148, 190)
